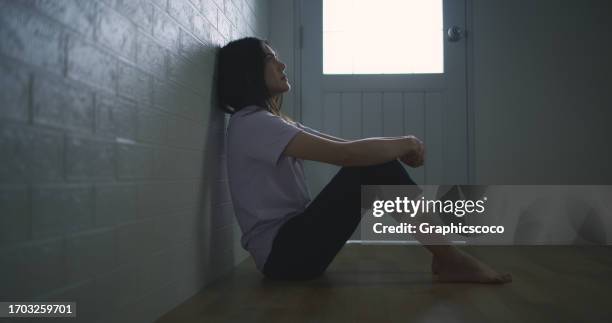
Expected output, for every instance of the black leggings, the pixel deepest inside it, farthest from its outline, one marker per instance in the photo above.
(307, 243)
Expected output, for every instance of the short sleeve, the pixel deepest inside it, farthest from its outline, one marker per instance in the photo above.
(264, 136)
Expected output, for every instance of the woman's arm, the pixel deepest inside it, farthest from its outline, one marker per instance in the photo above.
(332, 138)
(320, 134)
(363, 152)
(336, 139)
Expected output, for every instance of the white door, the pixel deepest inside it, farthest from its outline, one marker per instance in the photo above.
(431, 106)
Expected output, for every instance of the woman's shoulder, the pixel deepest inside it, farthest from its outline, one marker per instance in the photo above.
(252, 117)
(245, 112)
(258, 113)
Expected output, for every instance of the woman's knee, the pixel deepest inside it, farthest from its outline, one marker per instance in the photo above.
(389, 173)
(390, 166)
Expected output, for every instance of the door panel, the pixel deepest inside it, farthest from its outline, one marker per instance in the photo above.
(430, 106)
(434, 139)
(372, 114)
(393, 114)
(414, 123)
(351, 116)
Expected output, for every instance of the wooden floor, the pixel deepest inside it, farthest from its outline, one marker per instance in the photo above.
(368, 283)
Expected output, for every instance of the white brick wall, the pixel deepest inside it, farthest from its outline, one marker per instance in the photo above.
(113, 187)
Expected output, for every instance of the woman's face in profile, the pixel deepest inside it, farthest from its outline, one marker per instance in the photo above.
(274, 72)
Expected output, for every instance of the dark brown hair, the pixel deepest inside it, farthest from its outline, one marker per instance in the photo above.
(240, 77)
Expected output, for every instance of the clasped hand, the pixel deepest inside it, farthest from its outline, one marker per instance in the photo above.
(416, 157)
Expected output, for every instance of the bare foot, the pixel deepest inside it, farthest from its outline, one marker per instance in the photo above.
(459, 267)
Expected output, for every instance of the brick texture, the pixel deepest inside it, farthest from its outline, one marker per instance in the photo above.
(113, 187)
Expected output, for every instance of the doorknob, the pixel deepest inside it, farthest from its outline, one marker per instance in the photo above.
(455, 33)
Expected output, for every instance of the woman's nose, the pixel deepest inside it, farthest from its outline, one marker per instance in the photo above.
(282, 65)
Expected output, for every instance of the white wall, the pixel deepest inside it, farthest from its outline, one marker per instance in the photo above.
(113, 189)
(541, 91)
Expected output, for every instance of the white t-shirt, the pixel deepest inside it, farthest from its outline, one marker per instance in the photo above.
(267, 188)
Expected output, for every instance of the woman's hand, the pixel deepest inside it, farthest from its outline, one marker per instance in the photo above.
(416, 157)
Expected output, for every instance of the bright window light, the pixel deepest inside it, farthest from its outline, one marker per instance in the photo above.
(382, 37)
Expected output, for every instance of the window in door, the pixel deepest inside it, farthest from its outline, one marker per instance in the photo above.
(383, 37)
